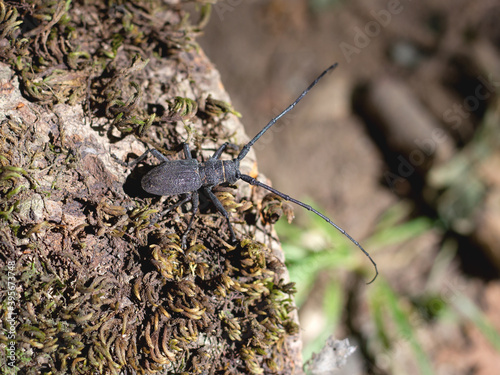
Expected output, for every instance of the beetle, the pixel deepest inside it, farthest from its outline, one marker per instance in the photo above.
(189, 177)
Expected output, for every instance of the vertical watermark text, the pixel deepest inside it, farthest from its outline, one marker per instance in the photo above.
(10, 332)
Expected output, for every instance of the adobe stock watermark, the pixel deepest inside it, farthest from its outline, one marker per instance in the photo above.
(363, 36)
(225, 6)
(454, 116)
(483, 91)
(10, 331)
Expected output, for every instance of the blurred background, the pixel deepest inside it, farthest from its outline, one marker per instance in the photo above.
(399, 146)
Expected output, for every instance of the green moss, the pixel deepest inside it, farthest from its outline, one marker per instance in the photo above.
(114, 291)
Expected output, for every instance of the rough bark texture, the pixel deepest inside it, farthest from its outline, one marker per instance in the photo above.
(93, 276)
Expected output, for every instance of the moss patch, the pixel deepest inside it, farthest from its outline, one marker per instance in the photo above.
(94, 280)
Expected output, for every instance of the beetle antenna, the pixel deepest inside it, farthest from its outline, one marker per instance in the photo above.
(246, 148)
(255, 182)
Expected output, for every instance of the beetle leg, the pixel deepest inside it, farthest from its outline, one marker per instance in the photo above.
(157, 154)
(134, 162)
(219, 151)
(175, 205)
(187, 151)
(195, 202)
(140, 158)
(221, 209)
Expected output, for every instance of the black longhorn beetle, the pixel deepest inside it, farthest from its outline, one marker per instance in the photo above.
(188, 176)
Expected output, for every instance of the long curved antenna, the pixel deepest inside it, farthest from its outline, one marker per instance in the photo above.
(246, 148)
(253, 181)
